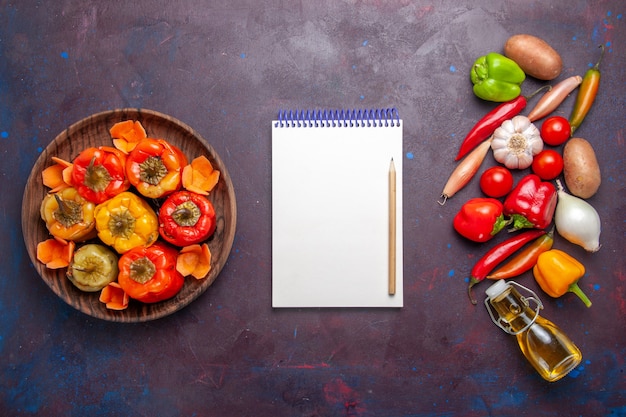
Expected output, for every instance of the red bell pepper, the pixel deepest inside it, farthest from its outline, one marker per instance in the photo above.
(531, 203)
(99, 174)
(480, 219)
(148, 274)
(186, 218)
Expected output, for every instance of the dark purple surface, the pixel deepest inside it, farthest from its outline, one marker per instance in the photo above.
(226, 68)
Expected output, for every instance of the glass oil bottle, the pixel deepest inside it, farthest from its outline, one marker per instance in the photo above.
(545, 346)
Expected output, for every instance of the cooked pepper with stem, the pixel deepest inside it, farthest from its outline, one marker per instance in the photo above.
(497, 255)
(496, 78)
(126, 221)
(149, 275)
(68, 215)
(531, 203)
(155, 167)
(186, 218)
(525, 259)
(491, 121)
(557, 273)
(480, 219)
(100, 173)
(586, 94)
(93, 267)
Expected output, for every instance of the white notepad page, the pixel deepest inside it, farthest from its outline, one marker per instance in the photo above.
(330, 216)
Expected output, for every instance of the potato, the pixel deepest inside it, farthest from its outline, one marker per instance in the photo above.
(534, 56)
(580, 168)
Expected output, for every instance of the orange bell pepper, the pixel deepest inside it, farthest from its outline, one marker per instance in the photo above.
(557, 273)
(68, 215)
(155, 167)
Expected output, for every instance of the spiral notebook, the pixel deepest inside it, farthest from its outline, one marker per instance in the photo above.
(336, 217)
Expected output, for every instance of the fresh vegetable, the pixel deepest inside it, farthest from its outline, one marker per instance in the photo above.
(577, 221)
(125, 222)
(93, 267)
(548, 164)
(127, 134)
(148, 274)
(155, 167)
(194, 260)
(581, 170)
(557, 273)
(480, 219)
(496, 78)
(55, 253)
(186, 218)
(114, 297)
(498, 254)
(534, 56)
(531, 204)
(525, 259)
(496, 181)
(586, 94)
(465, 171)
(199, 176)
(553, 98)
(99, 173)
(516, 142)
(555, 130)
(68, 215)
(489, 123)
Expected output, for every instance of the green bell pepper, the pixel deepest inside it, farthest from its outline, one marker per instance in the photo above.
(496, 78)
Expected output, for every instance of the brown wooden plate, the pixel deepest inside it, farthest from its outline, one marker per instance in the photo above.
(94, 131)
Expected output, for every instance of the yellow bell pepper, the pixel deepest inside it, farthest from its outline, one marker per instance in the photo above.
(126, 221)
(556, 272)
(68, 216)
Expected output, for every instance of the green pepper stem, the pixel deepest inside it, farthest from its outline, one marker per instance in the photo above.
(576, 290)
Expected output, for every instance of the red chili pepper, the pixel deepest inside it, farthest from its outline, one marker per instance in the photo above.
(148, 274)
(586, 94)
(479, 219)
(496, 255)
(525, 259)
(489, 123)
(98, 174)
(531, 203)
(186, 218)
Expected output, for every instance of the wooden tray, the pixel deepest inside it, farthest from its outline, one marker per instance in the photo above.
(94, 131)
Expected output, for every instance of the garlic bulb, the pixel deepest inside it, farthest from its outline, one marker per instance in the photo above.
(516, 142)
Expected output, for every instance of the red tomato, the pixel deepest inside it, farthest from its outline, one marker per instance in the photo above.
(548, 164)
(555, 130)
(496, 181)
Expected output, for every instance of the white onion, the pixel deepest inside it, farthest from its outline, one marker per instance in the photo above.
(577, 221)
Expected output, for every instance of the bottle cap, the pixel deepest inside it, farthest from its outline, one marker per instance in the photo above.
(497, 288)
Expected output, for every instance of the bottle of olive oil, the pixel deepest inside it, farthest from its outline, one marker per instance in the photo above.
(545, 346)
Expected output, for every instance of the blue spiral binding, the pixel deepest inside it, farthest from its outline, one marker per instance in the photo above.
(381, 117)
